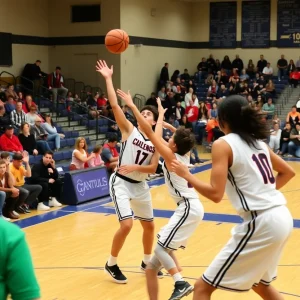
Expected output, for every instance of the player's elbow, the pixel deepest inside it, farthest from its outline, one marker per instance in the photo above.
(216, 199)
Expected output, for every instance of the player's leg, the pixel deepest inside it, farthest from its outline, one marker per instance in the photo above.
(202, 290)
(267, 292)
(179, 268)
(153, 268)
(148, 238)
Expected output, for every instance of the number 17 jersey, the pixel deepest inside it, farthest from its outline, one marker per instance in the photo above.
(136, 150)
(251, 184)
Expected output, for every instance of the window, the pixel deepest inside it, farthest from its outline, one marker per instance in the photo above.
(85, 13)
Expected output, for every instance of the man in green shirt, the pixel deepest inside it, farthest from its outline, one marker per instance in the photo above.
(17, 276)
(269, 108)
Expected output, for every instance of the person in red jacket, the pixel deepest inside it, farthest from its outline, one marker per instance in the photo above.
(9, 142)
(56, 84)
(192, 112)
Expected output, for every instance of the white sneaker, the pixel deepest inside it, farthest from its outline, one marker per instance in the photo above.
(54, 203)
(15, 213)
(42, 206)
(4, 218)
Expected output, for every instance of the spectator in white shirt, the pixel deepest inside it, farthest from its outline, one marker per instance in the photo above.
(268, 72)
(275, 138)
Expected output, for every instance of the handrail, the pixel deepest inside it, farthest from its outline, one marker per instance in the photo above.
(27, 79)
(5, 72)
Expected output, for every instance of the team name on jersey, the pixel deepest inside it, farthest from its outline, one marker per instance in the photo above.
(143, 146)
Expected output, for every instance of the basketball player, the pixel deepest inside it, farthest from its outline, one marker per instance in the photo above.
(189, 211)
(128, 188)
(243, 164)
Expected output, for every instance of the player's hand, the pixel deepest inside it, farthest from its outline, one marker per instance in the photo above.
(179, 168)
(126, 169)
(104, 70)
(161, 110)
(126, 97)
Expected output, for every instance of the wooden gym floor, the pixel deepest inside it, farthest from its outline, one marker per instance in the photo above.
(71, 245)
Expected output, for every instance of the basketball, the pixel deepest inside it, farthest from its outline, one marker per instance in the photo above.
(116, 41)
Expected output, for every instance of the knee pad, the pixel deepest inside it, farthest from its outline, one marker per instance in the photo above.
(154, 264)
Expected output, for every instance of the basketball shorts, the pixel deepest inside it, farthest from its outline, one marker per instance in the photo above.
(131, 199)
(181, 225)
(252, 254)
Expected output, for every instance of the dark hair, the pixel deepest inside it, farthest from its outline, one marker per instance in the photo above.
(242, 119)
(112, 138)
(38, 61)
(153, 109)
(10, 84)
(166, 64)
(58, 68)
(184, 140)
(97, 148)
(10, 97)
(48, 152)
(4, 155)
(17, 156)
(294, 106)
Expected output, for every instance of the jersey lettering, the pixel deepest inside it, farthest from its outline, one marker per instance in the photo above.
(143, 145)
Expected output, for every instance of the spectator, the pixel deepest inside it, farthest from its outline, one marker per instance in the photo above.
(244, 76)
(282, 67)
(97, 160)
(213, 90)
(298, 64)
(178, 112)
(202, 121)
(222, 92)
(4, 119)
(293, 117)
(10, 104)
(202, 68)
(294, 144)
(269, 109)
(28, 103)
(251, 69)
(152, 100)
(110, 154)
(192, 112)
(32, 115)
(185, 76)
(52, 134)
(267, 72)
(238, 64)
(17, 116)
(17, 272)
(261, 64)
(6, 157)
(186, 123)
(128, 115)
(21, 97)
(285, 139)
(28, 193)
(276, 120)
(275, 135)
(270, 89)
(79, 155)
(226, 65)
(188, 97)
(213, 112)
(164, 74)
(40, 136)
(291, 67)
(45, 174)
(8, 194)
(27, 140)
(162, 93)
(56, 84)
(298, 105)
(9, 142)
(101, 101)
(211, 64)
(175, 76)
(10, 92)
(217, 66)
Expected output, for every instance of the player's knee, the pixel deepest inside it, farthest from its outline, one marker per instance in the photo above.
(148, 226)
(126, 226)
(159, 250)
(202, 288)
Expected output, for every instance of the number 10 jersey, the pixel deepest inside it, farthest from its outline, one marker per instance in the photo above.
(136, 150)
(251, 184)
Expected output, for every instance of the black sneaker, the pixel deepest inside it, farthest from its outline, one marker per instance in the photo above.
(20, 210)
(160, 274)
(25, 207)
(115, 273)
(182, 288)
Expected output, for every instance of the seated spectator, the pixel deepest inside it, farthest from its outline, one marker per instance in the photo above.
(276, 120)
(213, 90)
(291, 67)
(222, 92)
(40, 136)
(275, 135)
(293, 117)
(178, 112)
(162, 93)
(189, 85)
(18, 116)
(185, 76)
(9, 142)
(269, 109)
(234, 75)
(175, 76)
(294, 79)
(28, 193)
(28, 103)
(97, 160)
(10, 104)
(244, 76)
(4, 119)
(285, 139)
(45, 174)
(9, 195)
(27, 140)
(101, 101)
(245, 90)
(217, 66)
(92, 105)
(10, 92)
(201, 124)
(213, 112)
(186, 123)
(51, 130)
(188, 97)
(110, 153)
(192, 112)
(202, 68)
(294, 144)
(56, 84)
(270, 89)
(21, 97)
(80, 155)
(31, 115)
(267, 72)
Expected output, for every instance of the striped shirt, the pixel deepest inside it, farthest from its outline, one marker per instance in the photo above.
(17, 118)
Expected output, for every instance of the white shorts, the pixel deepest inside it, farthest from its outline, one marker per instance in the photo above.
(131, 199)
(181, 225)
(252, 254)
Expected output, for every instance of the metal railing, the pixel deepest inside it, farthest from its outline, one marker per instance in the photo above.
(139, 100)
(8, 73)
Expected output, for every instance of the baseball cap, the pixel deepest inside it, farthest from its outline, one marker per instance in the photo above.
(8, 127)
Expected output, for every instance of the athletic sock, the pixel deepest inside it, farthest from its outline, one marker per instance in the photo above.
(112, 261)
(177, 277)
(147, 258)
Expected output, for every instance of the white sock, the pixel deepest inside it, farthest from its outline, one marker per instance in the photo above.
(112, 261)
(177, 277)
(147, 258)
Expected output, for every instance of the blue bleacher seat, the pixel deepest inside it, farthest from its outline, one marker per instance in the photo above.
(75, 134)
(88, 140)
(68, 134)
(57, 156)
(63, 143)
(67, 155)
(51, 145)
(71, 142)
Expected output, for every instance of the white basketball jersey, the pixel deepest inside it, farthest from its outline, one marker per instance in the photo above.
(136, 150)
(251, 184)
(178, 187)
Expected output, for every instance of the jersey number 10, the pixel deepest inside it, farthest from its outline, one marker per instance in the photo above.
(139, 160)
(263, 165)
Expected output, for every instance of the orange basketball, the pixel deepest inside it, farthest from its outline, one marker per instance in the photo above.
(116, 41)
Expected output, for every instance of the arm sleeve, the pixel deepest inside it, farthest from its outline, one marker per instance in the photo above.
(35, 175)
(21, 281)
(49, 129)
(106, 154)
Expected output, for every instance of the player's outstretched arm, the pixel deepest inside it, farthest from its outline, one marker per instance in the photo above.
(125, 126)
(221, 153)
(164, 150)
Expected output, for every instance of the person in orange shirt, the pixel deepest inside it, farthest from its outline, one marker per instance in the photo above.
(293, 117)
